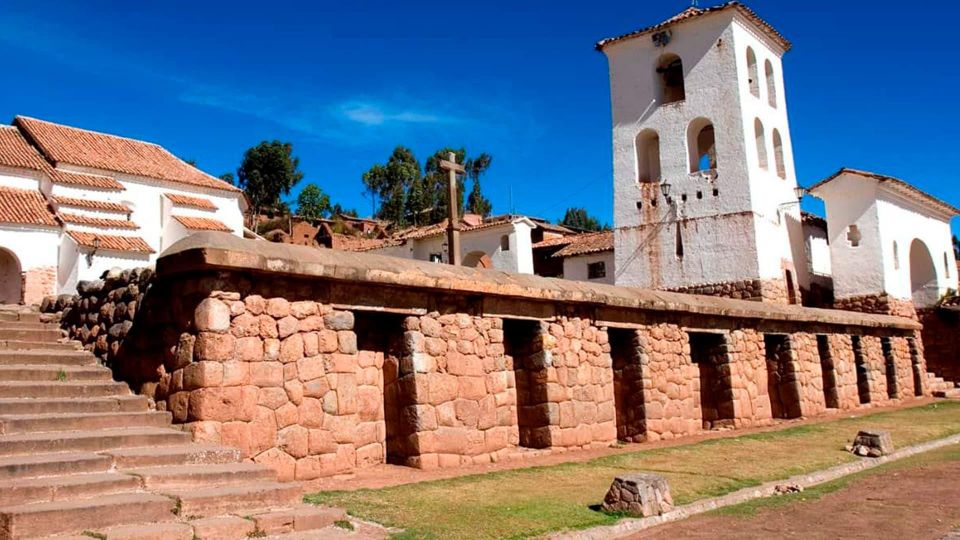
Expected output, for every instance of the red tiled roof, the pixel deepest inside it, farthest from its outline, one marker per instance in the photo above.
(195, 202)
(65, 144)
(584, 244)
(897, 184)
(81, 179)
(556, 241)
(111, 242)
(89, 204)
(25, 207)
(694, 12)
(89, 221)
(202, 224)
(15, 151)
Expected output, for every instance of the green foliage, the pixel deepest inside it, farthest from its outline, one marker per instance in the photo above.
(96, 535)
(338, 210)
(409, 195)
(579, 219)
(227, 177)
(268, 171)
(343, 524)
(61, 375)
(313, 203)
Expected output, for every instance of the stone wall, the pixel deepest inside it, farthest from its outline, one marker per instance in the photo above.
(317, 362)
(38, 283)
(877, 303)
(772, 290)
(941, 342)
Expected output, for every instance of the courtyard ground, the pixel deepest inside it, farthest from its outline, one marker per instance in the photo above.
(913, 498)
(529, 502)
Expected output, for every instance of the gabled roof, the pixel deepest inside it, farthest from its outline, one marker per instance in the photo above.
(193, 202)
(202, 224)
(585, 244)
(897, 185)
(65, 144)
(82, 179)
(110, 242)
(103, 223)
(695, 12)
(25, 207)
(15, 151)
(89, 204)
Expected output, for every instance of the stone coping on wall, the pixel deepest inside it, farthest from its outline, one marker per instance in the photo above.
(222, 251)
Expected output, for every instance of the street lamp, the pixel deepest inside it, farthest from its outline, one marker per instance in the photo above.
(799, 192)
(665, 189)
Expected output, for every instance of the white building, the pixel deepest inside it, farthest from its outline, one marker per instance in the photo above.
(582, 257)
(74, 203)
(704, 184)
(502, 243)
(887, 239)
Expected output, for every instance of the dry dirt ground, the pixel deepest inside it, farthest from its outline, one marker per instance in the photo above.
(916, 502)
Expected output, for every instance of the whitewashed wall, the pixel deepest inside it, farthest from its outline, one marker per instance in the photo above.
(576, 268)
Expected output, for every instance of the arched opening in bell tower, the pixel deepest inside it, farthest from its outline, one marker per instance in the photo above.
(670, 79)
(648, 156)
(701, 144)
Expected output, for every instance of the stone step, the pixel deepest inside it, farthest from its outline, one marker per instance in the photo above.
(59, 488)
(181, 454)
(25, 325)
(54, 373)
(223, 528)
(150, 531)
(190, 476)
(30, 334)
(73, 405)
(31, 389)
(16, 315)
(31, 423)
(90, 441)
(43, 357)
(75, 516)
(953, 393)
(21, 345)
(214, 501)
(53, 464)
(300, 518)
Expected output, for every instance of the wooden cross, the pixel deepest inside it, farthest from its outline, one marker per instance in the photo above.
(453, 219)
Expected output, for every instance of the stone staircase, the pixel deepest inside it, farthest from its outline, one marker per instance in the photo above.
(941, 388)
(81, 455)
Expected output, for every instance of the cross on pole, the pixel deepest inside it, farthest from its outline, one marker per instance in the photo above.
(453, 220)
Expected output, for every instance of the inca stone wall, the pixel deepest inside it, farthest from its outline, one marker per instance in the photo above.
(319, 363)
(941, 342)
(773, 290)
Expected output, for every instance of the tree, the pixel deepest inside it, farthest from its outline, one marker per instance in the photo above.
(476, 202)
(268, 171)
(436, 184)
(338, 210)
(313, 203)
(956, 247)
(579, 219)
(389, 183)
(227, 177)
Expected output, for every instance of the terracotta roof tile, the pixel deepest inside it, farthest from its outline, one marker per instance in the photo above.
(694, 12)
(899, 185)
(195, 202)
(81, 179)
(15, 151)
(65, 144)
(25, 207)
(202, 224)
(587, 243)
(111, 242)
(90, 204)
(556, 241)
(89, 221)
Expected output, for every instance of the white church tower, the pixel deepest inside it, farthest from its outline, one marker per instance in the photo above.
(705, 197)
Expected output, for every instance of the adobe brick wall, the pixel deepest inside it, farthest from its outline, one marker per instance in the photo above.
(39, 283)
(316, 376)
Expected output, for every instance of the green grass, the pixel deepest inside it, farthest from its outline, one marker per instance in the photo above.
(529, 502)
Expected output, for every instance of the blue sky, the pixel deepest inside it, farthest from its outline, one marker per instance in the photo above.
(869, 85)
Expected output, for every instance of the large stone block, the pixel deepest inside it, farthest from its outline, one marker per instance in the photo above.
(642, 494)
(212, 315)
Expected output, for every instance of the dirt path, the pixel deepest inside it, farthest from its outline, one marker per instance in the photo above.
(381, 476)
(917, 502)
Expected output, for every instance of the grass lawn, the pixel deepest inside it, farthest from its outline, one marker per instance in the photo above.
(530, 502)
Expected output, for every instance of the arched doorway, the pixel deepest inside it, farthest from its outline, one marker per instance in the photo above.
(477, 259)
(923, 276)
(11, 281)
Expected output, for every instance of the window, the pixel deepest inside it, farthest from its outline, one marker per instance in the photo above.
(597, 270)
(679, 245)
(896, 256)
(648, 156)
(946, 264)
(505, 243)
(761, 143)
(701, 143)
(854, 236)
(670, 79)
(753, 76)
(778, 154)
(771, 84)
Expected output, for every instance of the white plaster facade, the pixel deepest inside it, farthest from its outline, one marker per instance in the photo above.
(738, 220)
(887, 237)
(577, 267)
(475, 243)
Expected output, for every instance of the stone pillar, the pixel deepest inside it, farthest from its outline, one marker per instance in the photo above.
(628, 385)
(748, 378)
(809, 373)
(672, 382)
(782, 376)
(844, 365)
(872, 353)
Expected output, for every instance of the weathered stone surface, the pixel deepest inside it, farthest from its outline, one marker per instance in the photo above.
(642, 494)
(212, 316)
(872, 443)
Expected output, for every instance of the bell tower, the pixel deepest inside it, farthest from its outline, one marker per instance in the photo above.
(705, 194)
